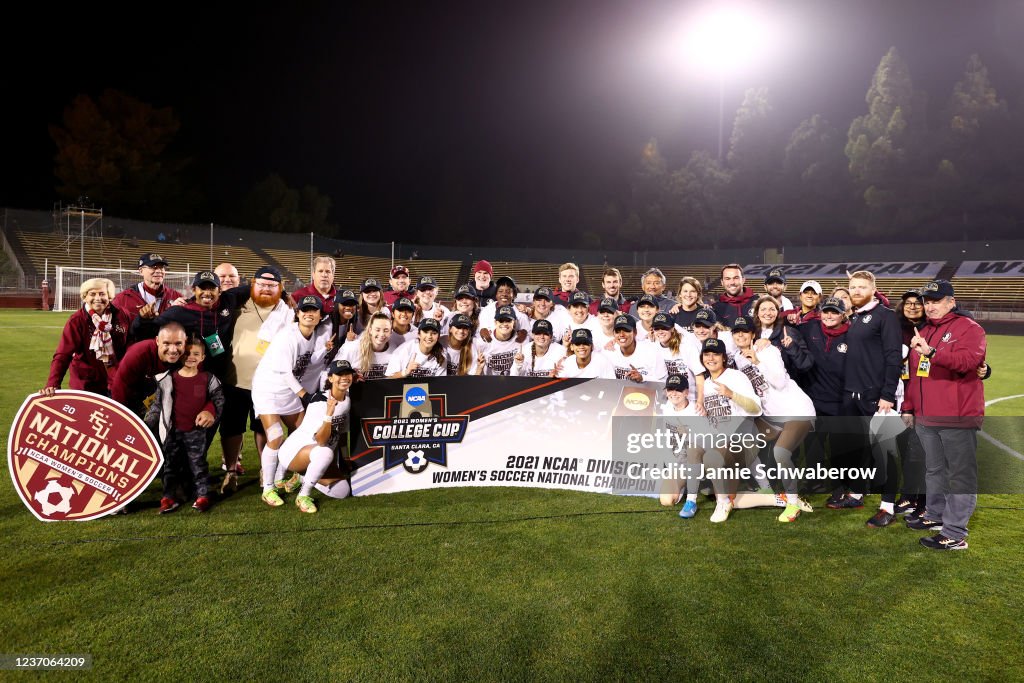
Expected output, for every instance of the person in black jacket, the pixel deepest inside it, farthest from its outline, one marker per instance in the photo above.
(873, 366)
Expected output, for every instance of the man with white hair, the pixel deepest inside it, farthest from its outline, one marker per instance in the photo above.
(151, 297)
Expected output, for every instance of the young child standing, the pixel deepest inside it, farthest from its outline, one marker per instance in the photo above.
(189, 401)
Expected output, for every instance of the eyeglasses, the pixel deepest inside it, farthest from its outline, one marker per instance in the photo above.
(915, 304)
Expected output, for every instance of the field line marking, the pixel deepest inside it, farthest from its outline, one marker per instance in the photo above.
(999, 444)
(1002, 398)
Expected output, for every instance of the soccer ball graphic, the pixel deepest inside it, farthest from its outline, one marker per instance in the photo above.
(415, 461)
(54, 490)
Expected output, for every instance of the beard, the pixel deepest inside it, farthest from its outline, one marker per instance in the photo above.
(265, 300)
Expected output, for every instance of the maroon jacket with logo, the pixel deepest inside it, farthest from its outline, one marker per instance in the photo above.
(130, 301)
(87, 372)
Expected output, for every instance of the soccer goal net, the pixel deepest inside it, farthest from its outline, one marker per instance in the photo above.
(67, 292)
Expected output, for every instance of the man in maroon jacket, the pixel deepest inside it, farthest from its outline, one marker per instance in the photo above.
(150, 297)
(134, 381)
(945, 403)
(737, 298)
(322, 285)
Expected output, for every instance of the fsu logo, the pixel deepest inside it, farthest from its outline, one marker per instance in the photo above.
(866, 319)
(842, 348)
(946, 337)
(79, 456)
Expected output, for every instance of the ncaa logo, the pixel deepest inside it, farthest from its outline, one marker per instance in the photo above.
(415, 396)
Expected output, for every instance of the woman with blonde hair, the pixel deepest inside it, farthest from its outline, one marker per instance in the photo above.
(690, 297)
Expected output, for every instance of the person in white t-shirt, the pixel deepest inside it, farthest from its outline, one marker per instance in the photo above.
(544, 309)
(461, 349)
(498, 354)
(505, 295)
(646, 309)
(538, 358)
(633, 360)
(426, 306)
(313, 448)
(402, 327)
(465, 303)
(604, 330)
(371, 300)
(579, 315)
(679, 415)
(420, 357)
(668, 344)
(582, 361)
(370, 355)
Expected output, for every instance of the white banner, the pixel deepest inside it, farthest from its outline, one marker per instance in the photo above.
(915, 269)
(991, 269)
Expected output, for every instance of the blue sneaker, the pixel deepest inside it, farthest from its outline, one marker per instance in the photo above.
(689, 509)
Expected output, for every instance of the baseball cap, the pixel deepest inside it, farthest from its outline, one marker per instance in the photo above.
(267, 273)
(776, 275)
(937, 289)
(430, 324)
(581, 335)
(368, 284)
(461, 320)
(426, 282)
(542, 327)
(403, 303)
(465, 291)
(676, 382)
(346, 297)
(311, 301)
(663, 321)
(834, 304)
(813, 284)
(206, 277)
(399, 270)
(625, 322)
(152, 259)
(543, 293)
(506, 280)
(505, 313)
(579, 297)
(916, 293)
(705, 317)
(742, 324)
(608, 305)
(483, 265)
(340, 367)
(646, 300)
(713, 345)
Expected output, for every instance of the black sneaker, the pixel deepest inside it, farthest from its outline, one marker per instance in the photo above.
(940, 542)
(835, 497)
(847, 502)
(923, 524)
(905, 506)
(881, 519)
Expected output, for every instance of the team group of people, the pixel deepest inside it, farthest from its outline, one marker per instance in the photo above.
(227, 356)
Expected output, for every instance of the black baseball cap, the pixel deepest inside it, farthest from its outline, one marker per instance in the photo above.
(346, 297)
(369, 283)
(776, 275)
(465, 291)
(430, 324)
(506, 280)
(663, 321)
(505, 313)
(834, 304)
(340, 367)
(206, 277)
(916, 293)
(705, 317)
(267, 273)
(403, 303)
(937, 289)
(625, 322)
(742, 324)
(542, 327)
(461, 320)
(608, 305)
(426, 282)
(311, 301)
(713, 345)
(579, 297)
(544, 293)
(152, 259)
(582, 335)
(676, 382)
(646, 300)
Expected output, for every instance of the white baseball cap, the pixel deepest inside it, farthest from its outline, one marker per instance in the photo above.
(813, 284)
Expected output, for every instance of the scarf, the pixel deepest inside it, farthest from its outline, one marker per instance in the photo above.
(833, 332)
(737, 300)
(101, 343)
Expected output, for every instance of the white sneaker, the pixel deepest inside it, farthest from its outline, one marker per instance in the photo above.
(721, 512)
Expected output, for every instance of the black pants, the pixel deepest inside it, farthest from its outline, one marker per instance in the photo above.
(186, 451)
(858, 409)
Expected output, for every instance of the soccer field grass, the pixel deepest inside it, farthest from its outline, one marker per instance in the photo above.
(500, 583)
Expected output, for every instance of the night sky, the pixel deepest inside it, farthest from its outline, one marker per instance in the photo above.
(506, 117)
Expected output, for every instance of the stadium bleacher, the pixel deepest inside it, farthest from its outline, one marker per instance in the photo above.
(353, 269)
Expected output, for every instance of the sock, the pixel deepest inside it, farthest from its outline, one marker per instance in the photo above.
(857, 496)
(281, 472)
(784, 457)
(269, 461)
(339, 489)
(320, 458)
(762, 481)
(691, 497)
(888, 507)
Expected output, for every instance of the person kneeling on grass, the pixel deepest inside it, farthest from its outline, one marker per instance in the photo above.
(312, 449)
(188, 404)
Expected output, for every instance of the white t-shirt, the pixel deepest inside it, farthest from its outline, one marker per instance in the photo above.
(486, 319)
(598, 367)
(538, 366)
(499, 355)
(292, 362)
(723, 413)
(378, 367)
(305, 433)
(453, 356)
(405, 353)
(780, 396)
(644, 358)
(677, 365)
(398, 339)
(559, 319)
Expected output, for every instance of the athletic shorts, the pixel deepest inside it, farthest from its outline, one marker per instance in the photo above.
(285, 402)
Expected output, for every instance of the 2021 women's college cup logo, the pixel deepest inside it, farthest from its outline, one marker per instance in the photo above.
(79, 456)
